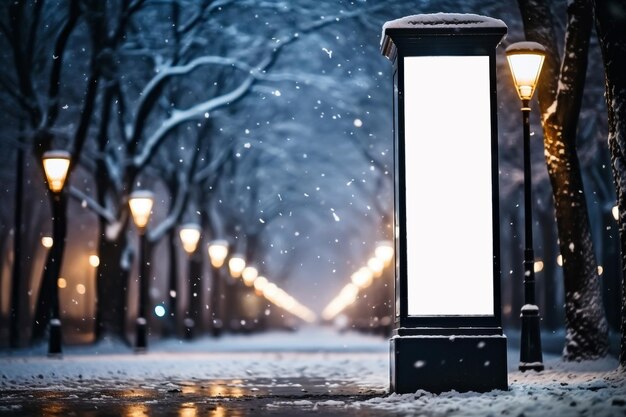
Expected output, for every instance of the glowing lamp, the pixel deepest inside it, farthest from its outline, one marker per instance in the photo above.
(249, 274)
(94, 260)
(384, 252)
(376, 265)
(260, 283)
(362, 278)
(56, 165)
(140, 203)
(46, 242)
(218, 251)
(525, 60)
(189, 236)
(236, 265)
(445, 137)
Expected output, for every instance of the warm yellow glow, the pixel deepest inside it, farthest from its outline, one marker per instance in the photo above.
(282, 299)
(80, 288)
(218, 251)
(47, 242)
(600, 269)
(260, 283)
(362, 278)
(346, 296)
(61, 283)
(219, 411)
(188, 409)
(525, 60)
(135, 410)
(270, 290)
(384, 252)
(56, 165)
(236, 265)
(140, 203)
(94, 260)
(190, 236)
(249, 274)
(538, 266)
(615, 212)
(349, 293)
(376, 266)
(559, 260)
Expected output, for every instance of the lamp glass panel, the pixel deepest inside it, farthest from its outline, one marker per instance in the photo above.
(448, 186)
(140, 208)
(218, 250)
(525, 69)
(189, 236)
(56, 172)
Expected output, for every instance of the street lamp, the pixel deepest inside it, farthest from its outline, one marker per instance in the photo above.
(376, 265)
(189, 236)
(140, 203)
(447, 314)
(56, 166)
(218, 251)
(362, 278)
(525, 60)
(249, 274)
(236, 265)
(384, 251)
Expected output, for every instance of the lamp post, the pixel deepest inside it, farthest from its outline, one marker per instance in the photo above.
(218, 251)
(140, 203)
(236, 266)
(56, 166)
(249, 274)
(525, 60)
(189, 236)
(448, 325)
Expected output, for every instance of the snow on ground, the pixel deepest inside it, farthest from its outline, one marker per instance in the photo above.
(310, 353)
(594, 388)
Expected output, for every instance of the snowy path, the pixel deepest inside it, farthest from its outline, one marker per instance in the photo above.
(318, 373)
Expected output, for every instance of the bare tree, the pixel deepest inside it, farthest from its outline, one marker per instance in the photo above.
(610, 18)
(560, 95)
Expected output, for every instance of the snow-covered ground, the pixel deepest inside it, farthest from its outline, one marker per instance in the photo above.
(339, 374)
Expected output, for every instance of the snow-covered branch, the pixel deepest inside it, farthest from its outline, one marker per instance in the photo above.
(155, 234)
(92, 204)
(193, 112)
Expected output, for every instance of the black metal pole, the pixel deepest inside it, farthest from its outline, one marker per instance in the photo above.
(58, 237)
(216, 293)
(14, 332)
(530, 344)
(142, 324)
(189, 321)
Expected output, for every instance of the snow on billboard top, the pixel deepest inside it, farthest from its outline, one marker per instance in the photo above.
(444, 20)
(438, 24)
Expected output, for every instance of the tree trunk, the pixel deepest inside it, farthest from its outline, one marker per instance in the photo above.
(196, 290)
(171, 325)
(17, 280)
(111, 287)
(611, 29)
(560, 96)
(47, 300)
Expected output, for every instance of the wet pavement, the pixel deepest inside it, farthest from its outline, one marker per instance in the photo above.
(214, 398)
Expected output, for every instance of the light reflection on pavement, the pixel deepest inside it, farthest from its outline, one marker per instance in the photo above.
(214, 398)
